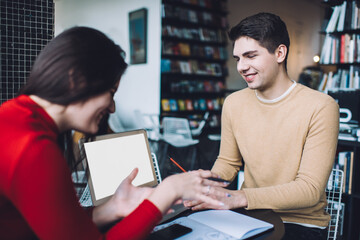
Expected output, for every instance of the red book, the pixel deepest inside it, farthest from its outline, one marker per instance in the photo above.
(342, 48)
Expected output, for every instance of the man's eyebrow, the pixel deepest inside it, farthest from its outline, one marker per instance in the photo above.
(246, 53)
(249, 52)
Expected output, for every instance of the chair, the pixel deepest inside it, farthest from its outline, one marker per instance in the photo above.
(334, 206)
(177, 133)
(150, 122)
(197, 131)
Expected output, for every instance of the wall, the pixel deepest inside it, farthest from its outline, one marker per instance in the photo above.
(140, 85)
(303, 19)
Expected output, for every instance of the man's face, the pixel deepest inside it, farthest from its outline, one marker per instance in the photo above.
(256, 65)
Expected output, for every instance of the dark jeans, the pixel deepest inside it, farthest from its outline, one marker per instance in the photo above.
(298, 232)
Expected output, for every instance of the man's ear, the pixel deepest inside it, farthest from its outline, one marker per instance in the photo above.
(280, 53)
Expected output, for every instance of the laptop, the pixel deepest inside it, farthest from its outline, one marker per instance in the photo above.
(112, 157)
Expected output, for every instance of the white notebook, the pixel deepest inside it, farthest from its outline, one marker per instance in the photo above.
(220, 224)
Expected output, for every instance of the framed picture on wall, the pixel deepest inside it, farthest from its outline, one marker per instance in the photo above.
(138, 36)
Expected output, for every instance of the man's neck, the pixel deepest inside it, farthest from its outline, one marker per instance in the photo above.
(279, 87)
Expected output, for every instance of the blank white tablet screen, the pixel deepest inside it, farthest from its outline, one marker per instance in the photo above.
(111, 160)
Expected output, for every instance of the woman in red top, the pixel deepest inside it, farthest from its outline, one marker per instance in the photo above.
(71, 87)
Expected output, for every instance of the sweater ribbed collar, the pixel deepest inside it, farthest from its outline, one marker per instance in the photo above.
(287, 92)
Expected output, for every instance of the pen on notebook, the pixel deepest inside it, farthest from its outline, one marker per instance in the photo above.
(178, 165)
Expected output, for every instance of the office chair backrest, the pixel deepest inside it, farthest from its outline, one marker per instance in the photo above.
(197, 131)
(149, 122)
(333, 196)
(176, 126)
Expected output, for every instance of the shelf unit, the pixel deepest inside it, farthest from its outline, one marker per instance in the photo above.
(193, 60)
(340, 58)
(340, 55)
(352, 201)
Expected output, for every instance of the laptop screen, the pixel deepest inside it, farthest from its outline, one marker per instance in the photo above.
(112, 157)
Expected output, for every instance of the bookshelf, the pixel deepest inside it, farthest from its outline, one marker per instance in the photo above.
(348, 159)
(193, 60)
(340, 59)
(341, 47)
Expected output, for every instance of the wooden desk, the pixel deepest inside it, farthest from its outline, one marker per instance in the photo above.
(266, 215)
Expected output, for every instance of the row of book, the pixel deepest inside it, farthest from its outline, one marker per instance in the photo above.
(194, 86)
(343, 49)
(345, 162)
(199, 34)
(191, 67)
(193, 16)
(195, 119)
(211, 4)
(195, 50)
(175, 105)
(342, 79)
(348, 131)
(344, 17)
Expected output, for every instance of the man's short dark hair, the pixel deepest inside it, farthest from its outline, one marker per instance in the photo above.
(266, 28)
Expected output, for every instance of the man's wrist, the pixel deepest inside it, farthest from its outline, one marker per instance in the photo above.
(240, 200)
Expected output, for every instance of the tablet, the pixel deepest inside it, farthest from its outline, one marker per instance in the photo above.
(112, 157)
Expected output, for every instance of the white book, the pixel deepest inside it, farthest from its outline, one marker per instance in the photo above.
(326, 50)
(351, 49)
(219, 224)
(333, 19)
(341, 22)
(356, 80)
(351, 76)
(354, 18)
(329, 81)
(342, 79)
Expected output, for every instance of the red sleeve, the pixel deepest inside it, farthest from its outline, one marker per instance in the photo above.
(43, 192)
(46, 198)
(138, 224)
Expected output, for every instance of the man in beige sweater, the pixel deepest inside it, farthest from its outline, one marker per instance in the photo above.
(284, 133)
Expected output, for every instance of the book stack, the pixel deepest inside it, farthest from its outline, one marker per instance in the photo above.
(196, 86)
(191, 67)
(338, 47)
(185, 14)
(345, 162)
(196, 119)
(194, 50)
(174, 105)
(344, 17)
(349, 132)
(343, 79)
(193, 59)
(198, 34)
(343, 49)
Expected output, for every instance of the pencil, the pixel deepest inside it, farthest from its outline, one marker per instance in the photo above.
(178, 165)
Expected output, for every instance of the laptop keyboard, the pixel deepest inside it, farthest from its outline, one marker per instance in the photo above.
(85, 199)
(156, 167)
